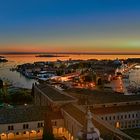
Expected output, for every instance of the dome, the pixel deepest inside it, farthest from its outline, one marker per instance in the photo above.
(117, 62)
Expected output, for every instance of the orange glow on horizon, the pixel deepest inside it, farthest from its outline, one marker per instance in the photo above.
(63, 48)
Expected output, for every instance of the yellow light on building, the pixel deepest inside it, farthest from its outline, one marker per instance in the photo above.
(3, 134)
(117, 124)
(60, 130)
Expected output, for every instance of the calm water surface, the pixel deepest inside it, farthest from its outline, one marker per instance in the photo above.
(20, 81)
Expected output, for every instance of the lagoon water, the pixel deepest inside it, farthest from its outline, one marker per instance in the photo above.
(19, 80)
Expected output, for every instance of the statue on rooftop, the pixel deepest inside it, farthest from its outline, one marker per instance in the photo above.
(91, 132)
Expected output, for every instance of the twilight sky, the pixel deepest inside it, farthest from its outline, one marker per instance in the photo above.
(70, 26)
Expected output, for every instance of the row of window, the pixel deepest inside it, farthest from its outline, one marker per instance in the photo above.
(40, 125)
(25, 126)
(11, 127)
(127, 124)
(126, 116)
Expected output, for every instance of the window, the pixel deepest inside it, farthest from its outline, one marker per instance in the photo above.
(125, 116)
(117, 124)
(25, 126)
(114, 117)
(122, 124)
(41, 125)
(133, 115)
(11, 127)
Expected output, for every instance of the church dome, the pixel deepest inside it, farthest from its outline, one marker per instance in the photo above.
(117, 62)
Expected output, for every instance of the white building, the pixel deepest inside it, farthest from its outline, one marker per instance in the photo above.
(110, 115)
(21, 123)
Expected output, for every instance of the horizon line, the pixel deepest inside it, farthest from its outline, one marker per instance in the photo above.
(76, 53)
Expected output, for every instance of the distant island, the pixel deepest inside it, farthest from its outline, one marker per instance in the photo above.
(50, 55)
(2, 59)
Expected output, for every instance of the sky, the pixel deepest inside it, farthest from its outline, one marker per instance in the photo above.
(70, 26)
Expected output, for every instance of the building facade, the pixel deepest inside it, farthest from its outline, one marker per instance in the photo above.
(25, 130)
(21, 123)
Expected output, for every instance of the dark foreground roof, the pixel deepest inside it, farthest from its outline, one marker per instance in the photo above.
(115, 109)
(101, 96)
(20, 115)
(54, 94)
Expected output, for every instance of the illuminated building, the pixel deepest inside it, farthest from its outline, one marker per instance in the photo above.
(21, 123)
(109, 112)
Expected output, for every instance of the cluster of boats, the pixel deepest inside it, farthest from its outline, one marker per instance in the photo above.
(42, 75)
(132, 84)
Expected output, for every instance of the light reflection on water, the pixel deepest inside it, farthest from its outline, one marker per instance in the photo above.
(19, 80)
(14, 77)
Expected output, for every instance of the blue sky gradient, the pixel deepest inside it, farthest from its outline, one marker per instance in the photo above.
(75, 25)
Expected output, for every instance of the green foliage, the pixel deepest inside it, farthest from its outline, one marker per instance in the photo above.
(21, 97)
(48, 137)
(1, 84)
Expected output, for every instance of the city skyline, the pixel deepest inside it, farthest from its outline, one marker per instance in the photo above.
(74, 26)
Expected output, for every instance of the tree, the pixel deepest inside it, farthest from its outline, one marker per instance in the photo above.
(1, 84)
(21, 97)
(48, 136)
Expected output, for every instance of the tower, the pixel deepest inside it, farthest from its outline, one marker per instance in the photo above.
(90, 132)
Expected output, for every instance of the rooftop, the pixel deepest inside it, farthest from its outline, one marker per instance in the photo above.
(101, 96)
(115, 109)
(75, 113)
(20, 115)
(54, 94)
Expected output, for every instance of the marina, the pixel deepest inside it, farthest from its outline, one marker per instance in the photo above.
(129, 82)
(8, 71)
